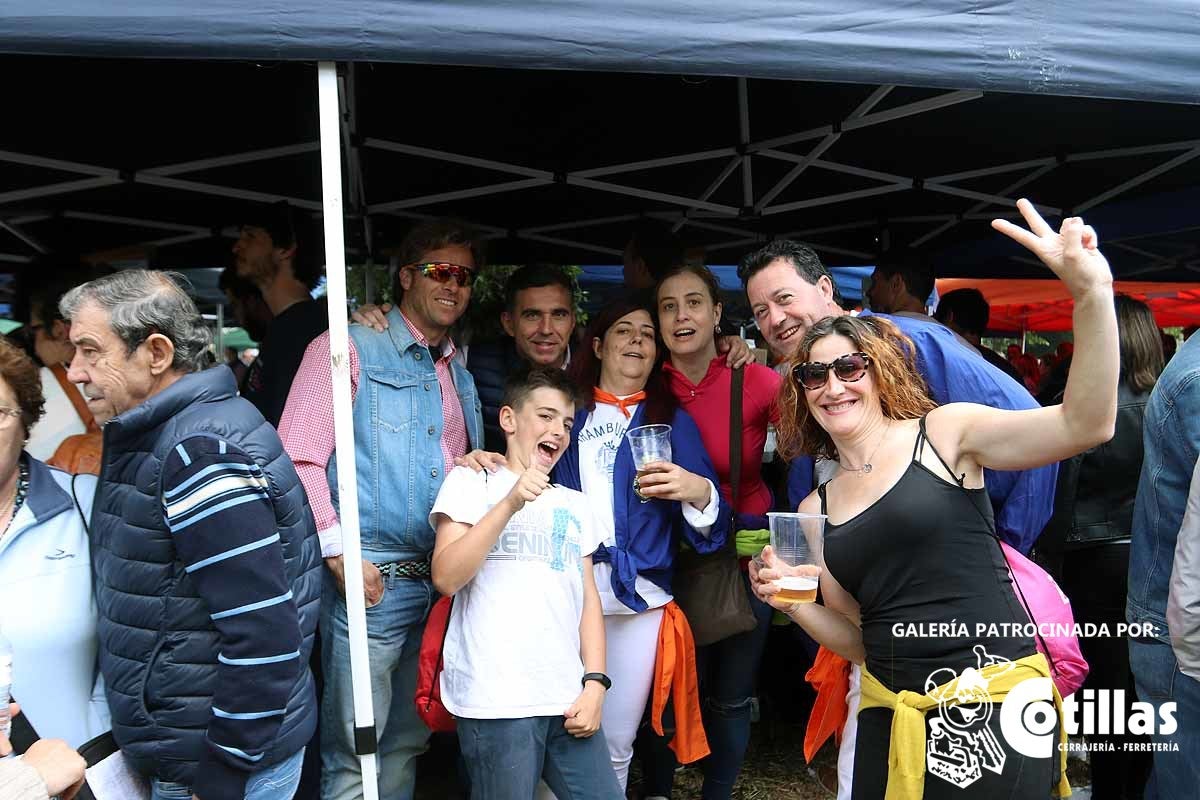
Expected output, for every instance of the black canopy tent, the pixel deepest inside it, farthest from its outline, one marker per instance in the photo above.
(860, 127)
(680, 114)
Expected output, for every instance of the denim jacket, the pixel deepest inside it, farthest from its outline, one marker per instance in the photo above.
(1171, 437)
(398, 439)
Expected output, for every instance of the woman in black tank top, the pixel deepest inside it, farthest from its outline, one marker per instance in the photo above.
(914, 585)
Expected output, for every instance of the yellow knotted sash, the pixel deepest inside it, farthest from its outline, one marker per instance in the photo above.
(906, 756)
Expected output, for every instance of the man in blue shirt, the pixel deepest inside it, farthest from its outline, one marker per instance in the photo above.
(1171, 439)
(789, 289)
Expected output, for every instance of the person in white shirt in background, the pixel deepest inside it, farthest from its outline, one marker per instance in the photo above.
(49, 335)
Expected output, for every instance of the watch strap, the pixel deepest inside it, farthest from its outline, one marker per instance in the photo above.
(598, 677)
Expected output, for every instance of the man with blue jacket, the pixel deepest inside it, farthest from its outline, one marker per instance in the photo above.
(415, 411)
(206, 560)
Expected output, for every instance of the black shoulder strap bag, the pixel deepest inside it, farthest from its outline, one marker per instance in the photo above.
(710, 588)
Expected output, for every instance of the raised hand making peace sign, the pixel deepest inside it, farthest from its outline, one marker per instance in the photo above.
(1072, 252)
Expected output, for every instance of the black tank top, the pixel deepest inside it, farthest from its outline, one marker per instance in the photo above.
(922, 561)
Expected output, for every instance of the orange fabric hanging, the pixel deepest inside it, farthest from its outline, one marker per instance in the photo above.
(830, 676)
(675, 676)
(79, 454)
(73, 394)
(622, 403)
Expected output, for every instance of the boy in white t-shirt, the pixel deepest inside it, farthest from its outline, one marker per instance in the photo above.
(523, 661)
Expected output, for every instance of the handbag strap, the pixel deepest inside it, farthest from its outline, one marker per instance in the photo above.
(735, 434)
(82, 517)
(735, 451)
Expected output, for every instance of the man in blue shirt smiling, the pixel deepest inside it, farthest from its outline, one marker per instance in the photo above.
(789, 289)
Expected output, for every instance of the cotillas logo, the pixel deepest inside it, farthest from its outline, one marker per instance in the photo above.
(961, 743)
(1027, 717)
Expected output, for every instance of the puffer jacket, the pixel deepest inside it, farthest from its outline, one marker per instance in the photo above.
(158, 647)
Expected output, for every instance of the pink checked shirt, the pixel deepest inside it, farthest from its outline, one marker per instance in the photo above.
(307, 426)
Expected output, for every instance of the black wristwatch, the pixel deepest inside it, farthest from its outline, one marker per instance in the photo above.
(598, 677)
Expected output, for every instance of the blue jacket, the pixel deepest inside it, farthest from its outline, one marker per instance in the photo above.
(398, 439)
(158, 645)
(1023, 501)
(642, 548)
(490, 364)
(1171, 439)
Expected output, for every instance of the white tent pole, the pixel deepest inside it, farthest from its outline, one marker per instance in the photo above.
(687, 202)
(56, 188)
(830, 199)
(827, 142)
(537, 237)
(578, 223)
(458, 194)
(1139, 180)
(24, 237)
(137, 222)
(1124, 152)
(149, 179)
(998, 169)
(726, 171)
(744, 140)
(58, 164)
(1007, 190)
(234, 159)
(456, 158)
(339, 352)
(654, 163)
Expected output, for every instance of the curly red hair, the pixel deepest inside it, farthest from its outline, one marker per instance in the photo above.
(902, 391)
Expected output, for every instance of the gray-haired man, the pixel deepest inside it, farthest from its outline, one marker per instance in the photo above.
(206, 557)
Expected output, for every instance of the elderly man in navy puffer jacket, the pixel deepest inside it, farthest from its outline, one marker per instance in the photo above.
(207, 563)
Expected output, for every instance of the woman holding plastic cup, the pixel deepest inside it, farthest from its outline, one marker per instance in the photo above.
(673, 500)
(914, 586)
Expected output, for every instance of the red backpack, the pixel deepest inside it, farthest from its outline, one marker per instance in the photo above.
(429, 669)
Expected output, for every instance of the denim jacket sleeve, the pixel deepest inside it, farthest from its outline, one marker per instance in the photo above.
(1183, 601)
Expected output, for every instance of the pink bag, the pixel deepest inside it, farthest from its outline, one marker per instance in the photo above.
(1049, 609)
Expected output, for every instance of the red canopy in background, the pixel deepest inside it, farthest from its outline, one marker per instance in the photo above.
(1045, 305)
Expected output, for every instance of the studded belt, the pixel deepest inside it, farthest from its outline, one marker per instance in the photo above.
(404, 569)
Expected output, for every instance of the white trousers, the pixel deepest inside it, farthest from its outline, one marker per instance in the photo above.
(845, 763)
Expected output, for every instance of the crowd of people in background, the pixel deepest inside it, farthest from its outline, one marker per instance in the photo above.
(172, 569)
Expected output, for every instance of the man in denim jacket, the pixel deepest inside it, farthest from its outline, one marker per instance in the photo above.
(415, 411)
(1171, 436)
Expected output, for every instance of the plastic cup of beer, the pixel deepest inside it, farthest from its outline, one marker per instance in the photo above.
(796, 541)
(648, 443)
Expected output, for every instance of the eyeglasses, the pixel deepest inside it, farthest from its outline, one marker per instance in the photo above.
(8, 416)
(442, 271)
(813, 375)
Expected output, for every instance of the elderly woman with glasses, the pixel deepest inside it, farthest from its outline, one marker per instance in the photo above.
(46, 607)
(914, 586)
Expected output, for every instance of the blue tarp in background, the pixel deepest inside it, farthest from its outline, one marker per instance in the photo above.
(1146, 51)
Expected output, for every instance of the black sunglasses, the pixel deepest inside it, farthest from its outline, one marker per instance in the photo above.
(813, 375)
(443, 271)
